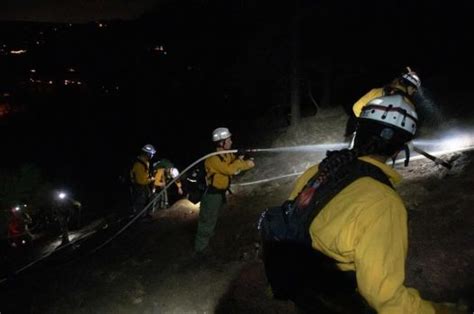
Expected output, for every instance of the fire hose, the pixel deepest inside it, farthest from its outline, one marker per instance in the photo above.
(302, 148)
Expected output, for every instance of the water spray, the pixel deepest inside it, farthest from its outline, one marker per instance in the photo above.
(301, 148)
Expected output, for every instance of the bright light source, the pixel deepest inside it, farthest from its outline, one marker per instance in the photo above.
(17, 208)
(18, 52)
(174, 172)
(62, 195)
(449, 141)
(457, 141)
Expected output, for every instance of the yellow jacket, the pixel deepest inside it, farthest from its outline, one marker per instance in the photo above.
(139, 173)
(220, 168)
(374, 93)
(160, 179)
(364, 228)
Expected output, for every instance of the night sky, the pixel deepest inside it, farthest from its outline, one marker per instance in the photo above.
(73, 11)
(226, 64)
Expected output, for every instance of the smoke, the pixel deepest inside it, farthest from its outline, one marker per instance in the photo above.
(429, 112)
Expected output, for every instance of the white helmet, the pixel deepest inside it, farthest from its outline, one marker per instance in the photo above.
(392, 111)
(148, 148)
(220, 134)
(412, 79)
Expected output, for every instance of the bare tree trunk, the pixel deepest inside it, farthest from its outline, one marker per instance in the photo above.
(295, 69)
(327, 82)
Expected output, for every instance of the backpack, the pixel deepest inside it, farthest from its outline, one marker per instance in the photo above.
(162, 164)
(196, 183)
(289, 259)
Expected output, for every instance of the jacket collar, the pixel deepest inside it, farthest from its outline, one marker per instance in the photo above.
(391, 173)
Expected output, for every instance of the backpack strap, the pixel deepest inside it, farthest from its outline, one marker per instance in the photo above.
(147, 168)
(328, 190)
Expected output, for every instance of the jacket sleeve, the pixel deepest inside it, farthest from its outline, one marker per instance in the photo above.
(228, 169)
(140, 174)
(380, 255)
(373, 93)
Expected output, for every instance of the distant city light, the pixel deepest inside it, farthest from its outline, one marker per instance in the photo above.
(4, 110)
(72, 82)
(18, 52)
(71, 70)
(33, 71)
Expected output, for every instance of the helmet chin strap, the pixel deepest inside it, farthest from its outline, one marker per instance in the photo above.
(409, 146)
(407, 155)
(406, 149)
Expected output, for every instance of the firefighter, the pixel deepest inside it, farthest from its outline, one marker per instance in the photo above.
(363, 228)
(406, 85)
(164, 172)
(141, 179)
(18, 231)
(65, 208)
(219, 171)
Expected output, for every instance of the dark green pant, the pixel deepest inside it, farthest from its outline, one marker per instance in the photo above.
(211, 203)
